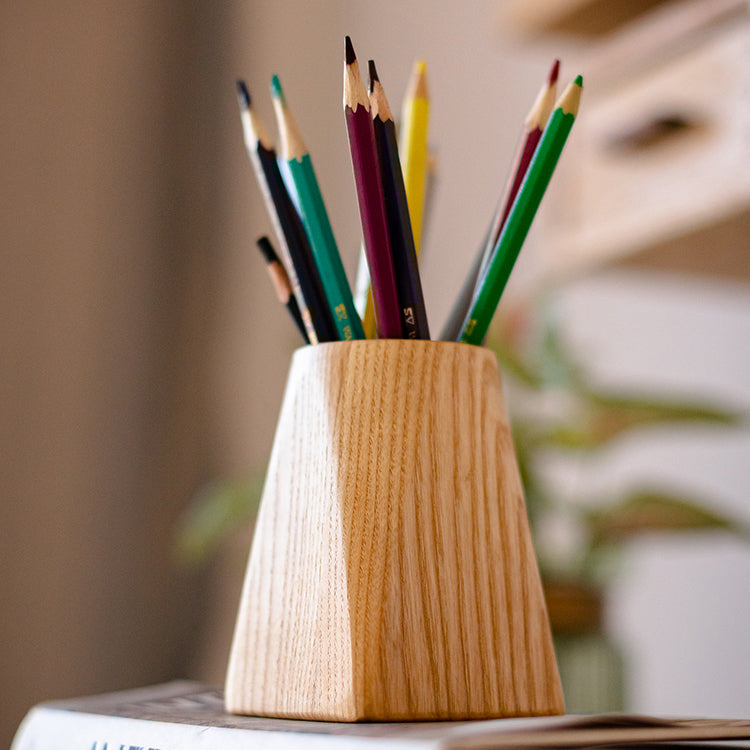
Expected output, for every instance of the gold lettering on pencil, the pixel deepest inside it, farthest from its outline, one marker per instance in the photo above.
(470, 327)
(409, 315)
(340, 311)
(348, 335)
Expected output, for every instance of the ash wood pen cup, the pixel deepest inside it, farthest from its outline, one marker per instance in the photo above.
(392, 575)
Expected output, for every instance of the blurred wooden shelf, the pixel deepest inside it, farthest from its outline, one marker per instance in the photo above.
(656, 173)
(719, 250)
(578, 18)
(593, 20)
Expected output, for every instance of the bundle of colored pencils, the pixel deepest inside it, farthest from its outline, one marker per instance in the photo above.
(390, 176)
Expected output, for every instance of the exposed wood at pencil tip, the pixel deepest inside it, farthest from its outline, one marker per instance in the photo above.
(355, 91)
(291, 144)
(544, 103)
(276, 272)
(280, 282)
(417, 88)
(379, 106)
(570, 98)
(253, 130)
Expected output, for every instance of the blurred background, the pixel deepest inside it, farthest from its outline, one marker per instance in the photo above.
(143, 353)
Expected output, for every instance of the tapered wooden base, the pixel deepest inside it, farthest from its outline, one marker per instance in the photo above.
(392, 575)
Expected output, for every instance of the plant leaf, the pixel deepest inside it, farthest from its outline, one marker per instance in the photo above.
(510, 363)
(645, 512)
(215, 512)
(605, 417)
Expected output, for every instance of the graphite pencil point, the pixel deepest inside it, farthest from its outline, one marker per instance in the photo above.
(350, 56)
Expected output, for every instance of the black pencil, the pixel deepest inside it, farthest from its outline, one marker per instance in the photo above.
(293, 243)
(281, 284)
(366, 170)
(405, 267)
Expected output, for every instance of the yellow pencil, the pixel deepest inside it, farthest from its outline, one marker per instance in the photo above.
(363, 297)
(412, 146)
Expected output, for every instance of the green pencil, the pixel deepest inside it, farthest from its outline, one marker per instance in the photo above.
(522, 214)
(315, 219)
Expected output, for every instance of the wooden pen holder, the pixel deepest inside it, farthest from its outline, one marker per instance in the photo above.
(392, 575)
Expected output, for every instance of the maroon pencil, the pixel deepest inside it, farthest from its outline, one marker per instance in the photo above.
(532, 133)
(370, 198)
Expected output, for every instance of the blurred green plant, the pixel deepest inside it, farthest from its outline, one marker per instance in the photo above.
(557, 411)
(215, 513)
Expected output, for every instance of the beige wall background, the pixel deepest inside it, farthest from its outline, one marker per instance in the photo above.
(142, 352)
(109, 193)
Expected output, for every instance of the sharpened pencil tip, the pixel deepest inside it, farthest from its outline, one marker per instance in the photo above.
(373, 74)
(243, 94)
(276, 90)
(579, 81)
(350, 56)
(552, 80)
(266, 248)
(418, 82)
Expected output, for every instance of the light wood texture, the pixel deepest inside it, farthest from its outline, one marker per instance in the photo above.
(392, 575)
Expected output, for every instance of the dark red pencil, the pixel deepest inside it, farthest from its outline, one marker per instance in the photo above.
(370, 198)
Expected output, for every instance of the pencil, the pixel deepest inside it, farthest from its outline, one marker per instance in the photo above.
(414, 164)
(315, 219)
(408, 284)
(453, 324)
(522, 214)
(415, 114)
(293, 244)
(532, 133)
(367, 179)
(281, 284)
(430, 183)
(363, 296)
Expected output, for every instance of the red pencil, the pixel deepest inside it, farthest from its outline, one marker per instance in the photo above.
(532, 132)
(370, 198)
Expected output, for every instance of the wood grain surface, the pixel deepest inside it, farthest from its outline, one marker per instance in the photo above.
(392, 575)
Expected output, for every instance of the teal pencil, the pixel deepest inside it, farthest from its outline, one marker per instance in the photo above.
(522, 214)
(299, 170)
